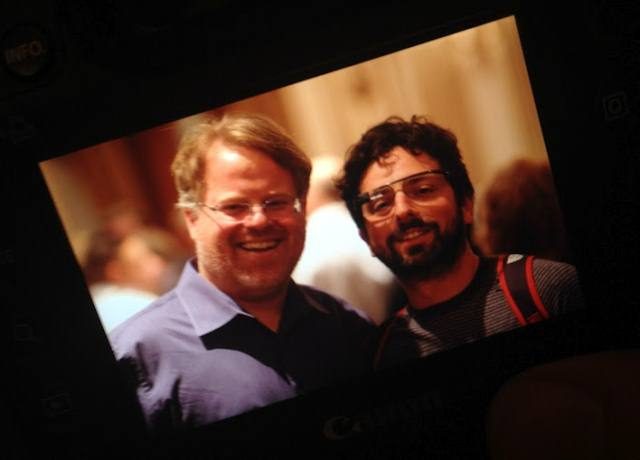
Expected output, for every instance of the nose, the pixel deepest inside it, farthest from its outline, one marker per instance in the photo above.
(256, 217)
(402, 205)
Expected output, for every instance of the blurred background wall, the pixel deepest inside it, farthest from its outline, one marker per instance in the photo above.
(473, 82)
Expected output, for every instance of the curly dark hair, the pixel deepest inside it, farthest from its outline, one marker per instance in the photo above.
(418, 136)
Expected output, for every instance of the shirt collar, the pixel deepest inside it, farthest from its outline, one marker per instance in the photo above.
(207, 306)
(484, 276)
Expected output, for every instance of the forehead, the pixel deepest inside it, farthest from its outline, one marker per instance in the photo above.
(398, 163)
(241, 170)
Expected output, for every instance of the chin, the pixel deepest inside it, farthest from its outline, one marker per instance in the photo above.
(264, 284)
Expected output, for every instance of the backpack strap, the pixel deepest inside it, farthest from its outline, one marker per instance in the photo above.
(515, 275)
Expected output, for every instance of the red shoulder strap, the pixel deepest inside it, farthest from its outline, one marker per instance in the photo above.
(515, 276)
(533, 291)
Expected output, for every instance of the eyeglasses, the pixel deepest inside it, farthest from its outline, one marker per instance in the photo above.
(278, 207)
(421, 188)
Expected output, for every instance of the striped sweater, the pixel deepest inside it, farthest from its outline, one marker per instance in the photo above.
(479, 311)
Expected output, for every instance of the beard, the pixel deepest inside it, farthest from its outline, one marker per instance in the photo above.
(426, 260)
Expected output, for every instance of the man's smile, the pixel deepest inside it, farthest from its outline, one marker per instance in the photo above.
(259, 246)
(412, 234)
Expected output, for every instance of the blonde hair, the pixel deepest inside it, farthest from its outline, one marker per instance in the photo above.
(244, 130)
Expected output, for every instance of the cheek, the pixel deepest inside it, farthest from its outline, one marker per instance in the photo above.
(210, 236)
(295, 240)
(444, 214)
(377, 237)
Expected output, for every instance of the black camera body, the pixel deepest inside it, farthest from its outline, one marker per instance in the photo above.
(78, 73)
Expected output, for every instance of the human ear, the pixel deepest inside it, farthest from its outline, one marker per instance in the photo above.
(190, 218)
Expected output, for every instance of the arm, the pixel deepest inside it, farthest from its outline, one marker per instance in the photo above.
(139, 370)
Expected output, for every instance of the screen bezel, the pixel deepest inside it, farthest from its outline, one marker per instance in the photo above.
(78, 330)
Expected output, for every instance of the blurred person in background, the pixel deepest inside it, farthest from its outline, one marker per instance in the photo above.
(126, 272)
(335, 259)
(122, 218)
(519, 213)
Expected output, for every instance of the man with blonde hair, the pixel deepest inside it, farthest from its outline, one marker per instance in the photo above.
(237, 333)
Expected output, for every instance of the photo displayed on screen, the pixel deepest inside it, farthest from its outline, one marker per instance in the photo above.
(291, 241)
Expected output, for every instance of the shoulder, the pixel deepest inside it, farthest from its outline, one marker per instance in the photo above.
(545, 271)
(339, 326)
(331, 304)
(146, 328)
(554, 272)
(398, 321)
(396, 343)
(558, 284)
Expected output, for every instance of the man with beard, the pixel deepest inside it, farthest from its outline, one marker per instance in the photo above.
(236, 333)
(408, 190)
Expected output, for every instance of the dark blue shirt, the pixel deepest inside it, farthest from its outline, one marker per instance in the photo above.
(195, 357)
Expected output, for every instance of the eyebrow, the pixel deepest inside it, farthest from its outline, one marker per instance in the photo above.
(402, 179)
(244, 199)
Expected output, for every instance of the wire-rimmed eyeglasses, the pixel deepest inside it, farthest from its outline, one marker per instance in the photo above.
(276, 207)
(421, 188)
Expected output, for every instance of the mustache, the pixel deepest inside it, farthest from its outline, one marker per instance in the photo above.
(414, 223)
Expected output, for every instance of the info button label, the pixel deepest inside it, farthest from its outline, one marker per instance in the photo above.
(26, 51)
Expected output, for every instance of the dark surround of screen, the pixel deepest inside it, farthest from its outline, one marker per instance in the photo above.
(111, 77)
